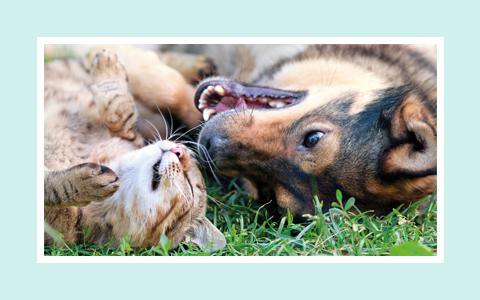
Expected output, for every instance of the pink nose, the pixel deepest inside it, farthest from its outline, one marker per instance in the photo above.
(178, 151)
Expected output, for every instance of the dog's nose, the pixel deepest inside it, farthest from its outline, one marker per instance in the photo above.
(213, 142)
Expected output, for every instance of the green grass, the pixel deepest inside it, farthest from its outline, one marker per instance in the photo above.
(343, 230)
(249, 229)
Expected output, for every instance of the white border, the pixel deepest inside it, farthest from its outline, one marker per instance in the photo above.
(439, 41)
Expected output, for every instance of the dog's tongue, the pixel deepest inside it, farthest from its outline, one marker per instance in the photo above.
(231, 102)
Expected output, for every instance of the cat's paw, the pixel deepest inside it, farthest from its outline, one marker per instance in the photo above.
(203, 67)
(120, 116)
(114, 102)
(106, 66)
(93, 182)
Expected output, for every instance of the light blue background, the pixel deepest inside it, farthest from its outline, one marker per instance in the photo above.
(21, 22)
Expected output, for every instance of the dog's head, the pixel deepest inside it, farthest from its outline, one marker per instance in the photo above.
(378, 145)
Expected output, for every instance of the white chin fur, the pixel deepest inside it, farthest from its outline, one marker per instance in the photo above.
(135, 171)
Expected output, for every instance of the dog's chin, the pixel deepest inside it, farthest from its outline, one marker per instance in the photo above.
(278, 198)
(276, 195)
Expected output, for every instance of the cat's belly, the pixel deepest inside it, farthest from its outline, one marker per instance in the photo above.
(70, 136)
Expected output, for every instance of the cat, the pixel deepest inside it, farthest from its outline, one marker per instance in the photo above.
(101, 183)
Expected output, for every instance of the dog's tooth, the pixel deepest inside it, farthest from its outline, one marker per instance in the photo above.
(206, 92)
(272, 103)
(207, 113)
(276, 103)
(263, 100)
(210, 89)
(219, 90)
(204, 95)
(202, 105)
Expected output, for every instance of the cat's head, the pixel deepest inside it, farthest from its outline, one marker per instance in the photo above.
(162, 191)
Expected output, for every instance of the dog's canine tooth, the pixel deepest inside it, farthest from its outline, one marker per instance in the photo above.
(207, 113)
(219, 90)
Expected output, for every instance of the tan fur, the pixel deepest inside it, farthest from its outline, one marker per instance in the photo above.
(155, 84)
(371, 149)
(98, 178)
(412, 117)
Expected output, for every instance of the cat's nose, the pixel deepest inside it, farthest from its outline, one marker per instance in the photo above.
(178, 151)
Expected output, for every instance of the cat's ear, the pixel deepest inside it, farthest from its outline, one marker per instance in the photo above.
(206, 235)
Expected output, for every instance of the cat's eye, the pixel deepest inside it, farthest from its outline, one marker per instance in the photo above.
(312, 138)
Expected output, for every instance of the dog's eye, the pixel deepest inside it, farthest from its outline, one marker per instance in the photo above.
(312, 138)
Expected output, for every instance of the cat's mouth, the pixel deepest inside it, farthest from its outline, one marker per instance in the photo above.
(156, 175)
(218, 95)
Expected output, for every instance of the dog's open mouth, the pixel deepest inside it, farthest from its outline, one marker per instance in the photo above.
(218, 95)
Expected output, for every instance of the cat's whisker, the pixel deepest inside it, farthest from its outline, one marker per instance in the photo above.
(209, 161)
(171, 121)
(154, 128)
(191, 129)
(202, 148)
(181, 191)
(219, 203)
(164, 121)
(178, 129)
(175, 133)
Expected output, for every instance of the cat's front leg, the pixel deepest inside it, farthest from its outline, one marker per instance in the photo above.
(79, 185)
(112, 97)
(156, 85)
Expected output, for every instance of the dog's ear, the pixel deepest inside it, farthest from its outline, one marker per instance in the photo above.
(205, 235)
(413, 136)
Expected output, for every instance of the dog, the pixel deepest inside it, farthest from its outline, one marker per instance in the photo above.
(297, 121)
